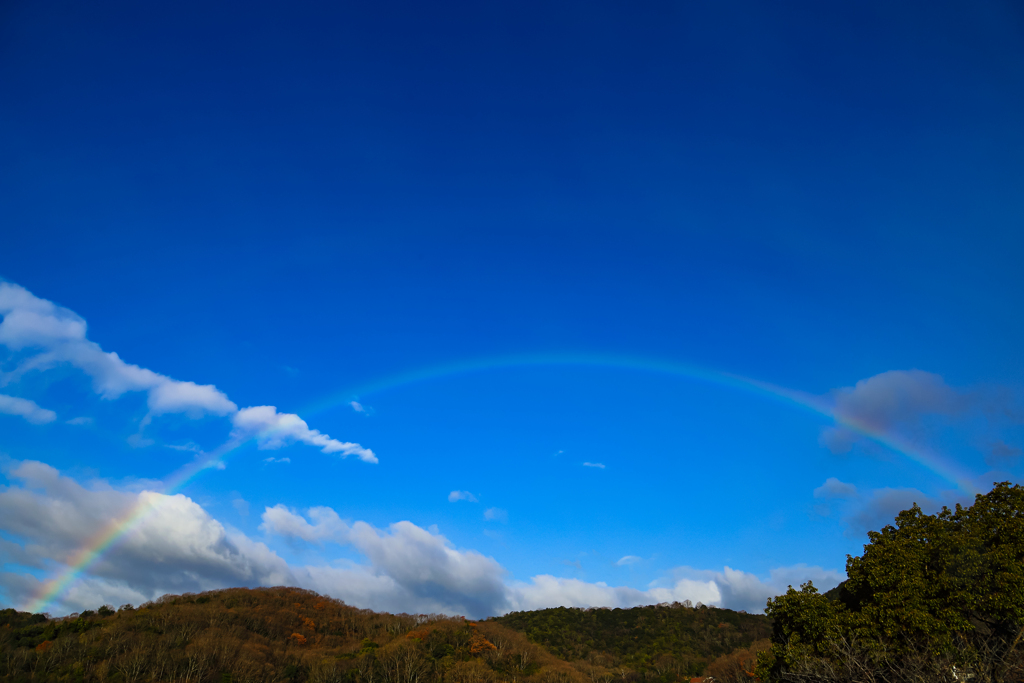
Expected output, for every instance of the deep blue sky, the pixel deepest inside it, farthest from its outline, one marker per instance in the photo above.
(291, 202)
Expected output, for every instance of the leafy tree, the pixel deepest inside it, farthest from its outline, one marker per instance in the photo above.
(930, 593)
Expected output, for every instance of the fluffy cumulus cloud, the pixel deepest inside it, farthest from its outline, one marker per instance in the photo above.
(13, 405)
(730, 588)
(178, 546)
(40, 335)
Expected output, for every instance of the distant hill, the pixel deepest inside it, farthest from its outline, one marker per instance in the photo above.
(676, 638)
(289, 635)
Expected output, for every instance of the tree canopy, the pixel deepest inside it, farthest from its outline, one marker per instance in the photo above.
(678, 639)
(933, 597)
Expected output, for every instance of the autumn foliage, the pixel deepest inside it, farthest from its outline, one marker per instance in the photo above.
(266, 635)
(288, 635)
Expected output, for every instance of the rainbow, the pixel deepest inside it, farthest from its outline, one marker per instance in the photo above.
(819, 405)
(116, 530)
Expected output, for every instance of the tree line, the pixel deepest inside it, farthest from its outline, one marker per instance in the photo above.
(662, 642)
(290, 635)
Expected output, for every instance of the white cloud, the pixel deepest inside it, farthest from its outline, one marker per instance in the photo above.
(273, 430)
(410, 567)
(593, 464)
(272, 459)
(179, 547)
(496, 514)
(833, 488)
(22, 407)
(628, 559)
(47, 335)
(456, 496)
(176, 547)
(57, 336)
(80, 421)
(357, 406)
(190, 447)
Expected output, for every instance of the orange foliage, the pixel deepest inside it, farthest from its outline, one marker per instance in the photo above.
(478, 644)
(299, 638)
(738, 666)
(310, 624)
(421, 634)
(43, 646)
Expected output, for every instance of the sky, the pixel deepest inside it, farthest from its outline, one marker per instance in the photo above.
(475, 307)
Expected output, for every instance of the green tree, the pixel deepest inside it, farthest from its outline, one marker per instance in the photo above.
(930, 593)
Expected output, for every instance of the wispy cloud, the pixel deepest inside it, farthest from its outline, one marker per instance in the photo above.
(1002, 454)
(456, 496)
(496, 515)
(241, 505)
(23, 407)
(189, 447)
(80, 421)
(48, 335)
(628, 559)
(277, 459)
(273, 430)
(594, 464)
(833, 488)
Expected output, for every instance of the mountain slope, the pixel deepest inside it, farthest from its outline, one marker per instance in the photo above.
(289, 635)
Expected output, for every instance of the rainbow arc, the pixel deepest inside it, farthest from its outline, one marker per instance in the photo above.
(117, 529)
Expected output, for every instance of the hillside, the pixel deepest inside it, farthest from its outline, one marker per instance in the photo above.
(659, 638)
(289, 635)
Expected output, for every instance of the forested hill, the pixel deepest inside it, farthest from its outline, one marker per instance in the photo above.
(289, 635)
(642, 638)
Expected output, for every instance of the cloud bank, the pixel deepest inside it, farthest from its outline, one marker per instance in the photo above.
(404, 568)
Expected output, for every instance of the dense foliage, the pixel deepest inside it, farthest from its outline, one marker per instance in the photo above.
(663, 640)
(289, 635)
(934, 597)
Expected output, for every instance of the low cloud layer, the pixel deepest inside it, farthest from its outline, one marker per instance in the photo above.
(40, 336)
(180, 547)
